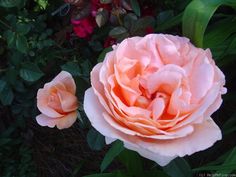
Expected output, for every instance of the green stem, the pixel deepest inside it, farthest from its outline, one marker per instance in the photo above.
(6, 25)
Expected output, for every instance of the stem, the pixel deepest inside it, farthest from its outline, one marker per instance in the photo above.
(6, 25)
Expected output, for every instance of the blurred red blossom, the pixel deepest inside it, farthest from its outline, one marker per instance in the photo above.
(109, 42)
(83, 27)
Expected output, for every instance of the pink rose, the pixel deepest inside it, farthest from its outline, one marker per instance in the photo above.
(156, 94)
(57, 102)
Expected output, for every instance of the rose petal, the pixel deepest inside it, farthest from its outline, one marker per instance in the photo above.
(171, 148)
(67, 121)
(68, 81)
(61, 123)
(201, 79)
(42, 104)
(68, 101)
(203, 137)
(44, 120)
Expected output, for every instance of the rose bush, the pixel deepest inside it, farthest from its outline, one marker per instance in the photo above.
(57, 102)
(156, 94)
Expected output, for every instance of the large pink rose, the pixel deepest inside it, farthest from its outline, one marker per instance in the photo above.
(57, 102)
(156, 94)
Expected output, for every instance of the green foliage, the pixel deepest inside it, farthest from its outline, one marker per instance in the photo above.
(128, 158)
(11, 3)
(15, 156)
(197, 16)
(178, 167)
(135, 7)
(101, 57)
(34, 48)
(230, 125)
(6, 94)
(72, 68)
(226, 164)
(30, 72)
(95, 140)
(115, 150)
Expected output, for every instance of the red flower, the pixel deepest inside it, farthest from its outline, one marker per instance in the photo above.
(109, 42)
(84, 27)
(97, 5)
(149, 30)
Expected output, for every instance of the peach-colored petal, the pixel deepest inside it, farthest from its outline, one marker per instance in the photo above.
(187, 145)
(44, 120)
(208, 100)
(68, 101)
(168, 51)
(42, 104)
(105, 124)
(67, 121)
(94, 111)
(158, 106)
(169, 78)
(66, 78)
(61, 123)
(98, 87)
(201, 79)
(212, 108)
(169, 148)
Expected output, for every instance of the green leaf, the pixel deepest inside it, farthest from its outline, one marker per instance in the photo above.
(196, 17)
(219, 32)
(154, 173)
(114, 151)
(118, 32)
(229, 125)
(141, 24)
(226, 168)
(96, 45)
(2, 85)
(11, 76)
(21, 43)
(42, 3)
(73, 68)
(10, 3)
(128, 157)
(22, 28)
(103, 54)
(102, 17)
(135, 7)
(170, 23)
(129, 20)
(6, 93)
(10, 37)
(163, 16)
(231, 159)
(95, 140)
(178, 167)
(30, 72)
(86, 67)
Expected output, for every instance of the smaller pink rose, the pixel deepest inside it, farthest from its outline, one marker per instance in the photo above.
(57, 102)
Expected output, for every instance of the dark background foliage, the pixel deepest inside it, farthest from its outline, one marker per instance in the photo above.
(36, 45)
